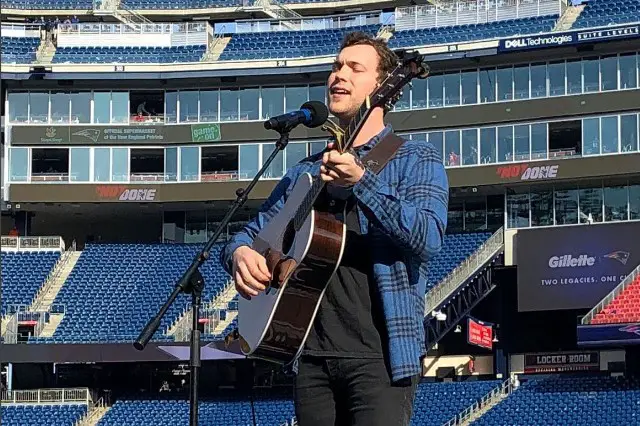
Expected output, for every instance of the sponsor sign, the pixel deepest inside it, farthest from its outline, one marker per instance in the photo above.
(573, 267)
(568, 38)
(124, 193)
(528, 172)
(609, 334)
(110, 135)
(479, 333)
(556, 362)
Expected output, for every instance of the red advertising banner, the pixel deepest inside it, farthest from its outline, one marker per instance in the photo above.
(479, 334)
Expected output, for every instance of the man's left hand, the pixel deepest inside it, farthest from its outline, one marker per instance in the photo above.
(341, 169)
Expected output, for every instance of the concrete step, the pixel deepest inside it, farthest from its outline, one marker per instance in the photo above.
(51, 327)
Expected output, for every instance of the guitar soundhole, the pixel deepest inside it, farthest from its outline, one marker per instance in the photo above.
(288, 238)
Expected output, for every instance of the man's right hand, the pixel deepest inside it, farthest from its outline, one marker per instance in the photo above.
(250, 272)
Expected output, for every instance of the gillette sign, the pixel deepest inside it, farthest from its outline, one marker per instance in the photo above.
(573, 267)
(568, 38)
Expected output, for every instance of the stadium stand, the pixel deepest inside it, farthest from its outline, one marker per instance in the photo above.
(129, 54)
(19, 50)
(583, 401)
(41, 415)
(114, 289)
(608, 12)
(180, 4)
(48, 4)
(288, 44)
(23, 273)
(625, 308)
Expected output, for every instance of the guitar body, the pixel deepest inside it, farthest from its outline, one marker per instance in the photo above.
(275, 324)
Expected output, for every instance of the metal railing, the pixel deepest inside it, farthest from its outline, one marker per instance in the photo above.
(11, 243)
(588, 318)
(47, 396)
(87, 418)
(54, 275)
(11, 329)
(451, 282)
(499, 392)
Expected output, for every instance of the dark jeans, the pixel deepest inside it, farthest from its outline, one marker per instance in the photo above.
(354, 392)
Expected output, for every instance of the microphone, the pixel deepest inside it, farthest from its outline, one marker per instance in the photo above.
(311, 114)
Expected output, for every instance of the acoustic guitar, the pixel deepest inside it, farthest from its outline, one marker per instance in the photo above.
(304, 243)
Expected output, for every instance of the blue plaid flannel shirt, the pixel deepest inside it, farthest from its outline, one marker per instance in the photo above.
(403, 210)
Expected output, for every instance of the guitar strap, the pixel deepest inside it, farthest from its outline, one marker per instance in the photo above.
(382, 152)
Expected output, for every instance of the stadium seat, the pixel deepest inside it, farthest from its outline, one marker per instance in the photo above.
(23, 273)
(625, 308)
(584, 401)
(48, 4)
(19, 50)
(127, 55)
(41, 415)
(602, 13)
(179, 4)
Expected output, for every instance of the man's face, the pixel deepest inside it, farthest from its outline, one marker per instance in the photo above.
(354, 76)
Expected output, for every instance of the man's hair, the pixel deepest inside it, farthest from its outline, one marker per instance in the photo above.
(388, 59)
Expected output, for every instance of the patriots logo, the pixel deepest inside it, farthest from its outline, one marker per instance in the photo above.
(92, 134)
(620, 256)
(635, 329)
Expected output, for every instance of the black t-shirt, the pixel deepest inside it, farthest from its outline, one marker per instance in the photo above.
(349, 322)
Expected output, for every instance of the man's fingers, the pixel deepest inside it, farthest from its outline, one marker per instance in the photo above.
(242, 288)
(249, 279)
(262, 266)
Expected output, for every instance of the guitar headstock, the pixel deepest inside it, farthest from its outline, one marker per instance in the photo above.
(410, 65)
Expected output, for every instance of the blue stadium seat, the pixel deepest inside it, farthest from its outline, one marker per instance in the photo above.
(127, 55)
(23, 273)
(180, 4)
(41, 415)
(114, 289)
(600, 13)
(19, 50)
(48, 4)
(584, 401)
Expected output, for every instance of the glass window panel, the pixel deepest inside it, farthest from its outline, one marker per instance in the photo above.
(18, 164)
(505, 143)
(39, 107)
(404, 102)
(521, 142)
(488, 145)
(419, 93)
(591, 75)
(609, 73)
(80, 164)
(539, 145)
(295, 152)
(629, 132)
(120, 166)
(505, 84)
(436, 90)
(102, 164)
(18, 107)
(295, 97)
(209, 106)
(228, 105)
(591, 136)
(318, 93)
(634, 202)
(455, 217)
(495, 211)
(609, 138)
(469, 83)
(590, 204)
(316, 147)
(469, 146)
(60, 107)
(249, 104)
(542, 208)
(539, 81)
(574, 77)
(171, 164)
(188, 106)
(437, 140)
(272, 102)
(101, 107)
(119, 107)
(276, 168)
(195, 227)
(81, 107)
(566, 203)
(518, 210)
(452, 147)
(249, 160)
(475, 215)
(628, 71)
(557, 79)
(615, 203)
(487, 85)
(189, 163)
(521, 82)
(171, 107)
(452, 89)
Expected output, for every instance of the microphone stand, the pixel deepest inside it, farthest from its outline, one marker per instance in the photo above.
(192, 282)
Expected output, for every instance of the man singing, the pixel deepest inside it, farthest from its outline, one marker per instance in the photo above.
(362, 359)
